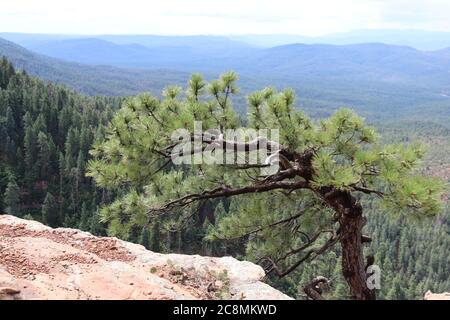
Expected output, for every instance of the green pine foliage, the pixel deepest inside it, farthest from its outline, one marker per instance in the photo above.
(347, 156)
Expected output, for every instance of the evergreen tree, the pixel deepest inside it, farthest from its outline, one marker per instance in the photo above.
(145, 240)
(395, 293)
(11, 197)
(312, 202)
(44, 156)
(30, 145)
(85, 218)
(95, 225)
(50, 211)
(155, 243)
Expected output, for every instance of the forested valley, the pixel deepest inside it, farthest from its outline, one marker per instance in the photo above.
(47, 132)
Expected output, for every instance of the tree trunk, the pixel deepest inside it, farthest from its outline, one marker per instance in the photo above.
(351, 221)
(353, 267)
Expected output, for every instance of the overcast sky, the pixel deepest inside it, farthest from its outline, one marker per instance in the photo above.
(309, 17)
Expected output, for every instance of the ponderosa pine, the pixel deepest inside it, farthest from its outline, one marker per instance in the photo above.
(296, 214)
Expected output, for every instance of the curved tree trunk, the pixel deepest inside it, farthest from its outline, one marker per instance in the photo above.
(351, 221)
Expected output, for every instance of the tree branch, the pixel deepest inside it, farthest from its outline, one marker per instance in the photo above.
(330, 243)
(314, 289)
(252, 145)
(369, 191)
(286, 220)
(227, 192)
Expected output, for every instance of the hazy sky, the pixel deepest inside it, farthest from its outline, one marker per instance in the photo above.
(310, 17)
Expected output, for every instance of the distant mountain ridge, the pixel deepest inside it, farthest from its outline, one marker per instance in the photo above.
(199, 55)
(419, 39)
(94, 80)
(91, 50)
(356, 62)
(377, 80)
(367, 61)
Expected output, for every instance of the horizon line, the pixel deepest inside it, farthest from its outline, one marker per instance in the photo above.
(227, 34)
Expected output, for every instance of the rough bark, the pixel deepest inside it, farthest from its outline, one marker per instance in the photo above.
(353, 267)
(349, 215)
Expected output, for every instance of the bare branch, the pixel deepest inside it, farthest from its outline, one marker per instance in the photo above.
(368, 191)
(286, 220)
(227, 192)
(366, 239)
(313, 253)
(314, 289)
(247, 166)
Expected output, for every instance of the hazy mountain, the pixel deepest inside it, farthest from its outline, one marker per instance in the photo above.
(92, 51)
(179, 56)
(99, 80)
(214, 54)
(377, 80)
(200, 43)
(359, 62)
(29, 39)
(57, 45)
(419, 39)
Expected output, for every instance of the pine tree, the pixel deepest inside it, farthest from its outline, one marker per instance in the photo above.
(84, 218)
(327, 170)
(50, 211)
(155, 243)
(395, 292)
(96, 226)
(11, 197)
(30, 144)
(6, 72)
(44, 156)
(144, 239)
(10, 124)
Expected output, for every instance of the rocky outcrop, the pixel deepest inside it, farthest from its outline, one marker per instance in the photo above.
(436, 296)
(37, 262)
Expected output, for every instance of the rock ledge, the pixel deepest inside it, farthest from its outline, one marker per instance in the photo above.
(38, 262)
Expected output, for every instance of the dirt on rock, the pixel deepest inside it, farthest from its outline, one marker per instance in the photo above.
(37, 262)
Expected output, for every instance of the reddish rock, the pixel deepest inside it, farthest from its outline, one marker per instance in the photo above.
(62, 263)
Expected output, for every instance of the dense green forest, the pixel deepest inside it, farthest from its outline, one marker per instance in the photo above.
(47, 131)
